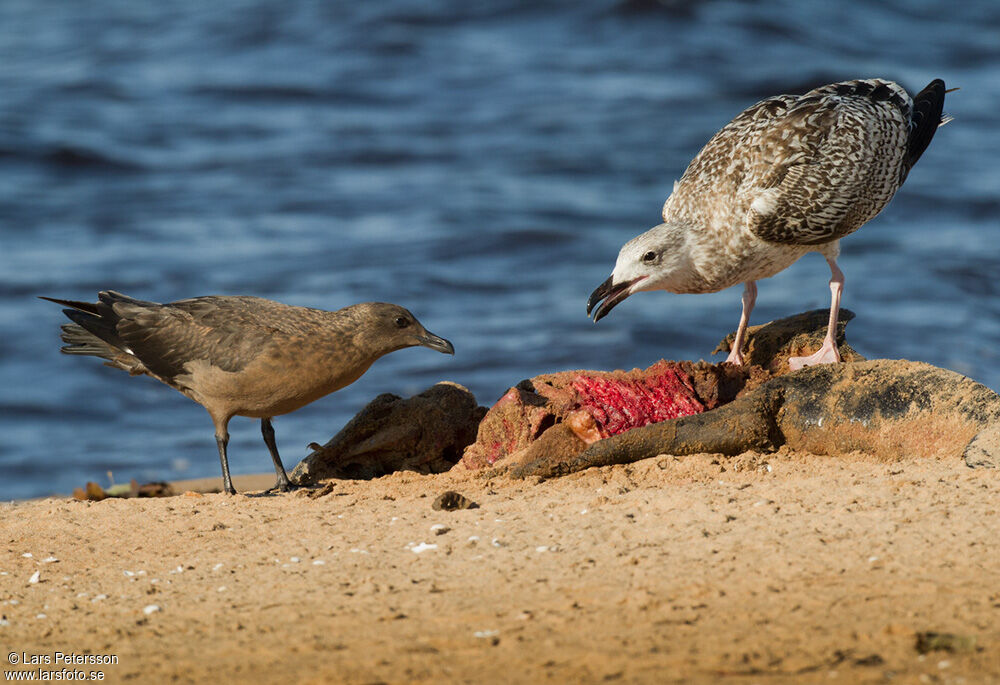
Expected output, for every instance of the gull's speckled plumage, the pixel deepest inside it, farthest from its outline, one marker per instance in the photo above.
(790, 175)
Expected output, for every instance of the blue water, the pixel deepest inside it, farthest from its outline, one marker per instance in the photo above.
(479, 163)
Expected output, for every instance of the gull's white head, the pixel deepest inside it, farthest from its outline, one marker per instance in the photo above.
(656, 260)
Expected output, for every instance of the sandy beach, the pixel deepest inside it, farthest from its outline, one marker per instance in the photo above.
(578, 199)
(785, 567)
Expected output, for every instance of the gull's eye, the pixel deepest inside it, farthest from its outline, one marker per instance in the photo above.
(649, 257)
(402, 322)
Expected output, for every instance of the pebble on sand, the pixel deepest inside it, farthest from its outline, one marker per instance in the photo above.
(452, 501)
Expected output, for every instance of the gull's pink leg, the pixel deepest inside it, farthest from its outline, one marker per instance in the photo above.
(828, 353)
(749, 297)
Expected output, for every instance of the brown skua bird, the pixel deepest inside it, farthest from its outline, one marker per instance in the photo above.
(240, 355)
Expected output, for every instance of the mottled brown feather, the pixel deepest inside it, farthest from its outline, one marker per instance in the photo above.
(238, 354)
(805, 170)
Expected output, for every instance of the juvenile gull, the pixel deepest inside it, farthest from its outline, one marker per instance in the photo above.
(790, 175)
(242, 356)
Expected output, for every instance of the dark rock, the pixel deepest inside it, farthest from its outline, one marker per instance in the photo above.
(770, 345)
(870, 660)
(316, 493)
(944, 642)
(155, 489)
(425, 433)
(453, 501)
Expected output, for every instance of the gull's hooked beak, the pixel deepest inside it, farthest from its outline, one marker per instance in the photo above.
(436, 343)
(612, 294)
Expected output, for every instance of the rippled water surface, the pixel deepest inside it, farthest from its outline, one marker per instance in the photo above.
(479, 163)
